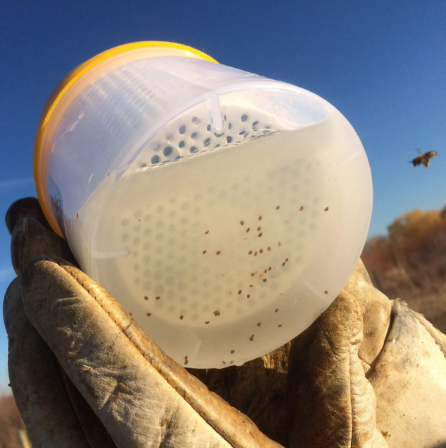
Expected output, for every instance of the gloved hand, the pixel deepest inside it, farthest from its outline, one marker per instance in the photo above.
(366, 373)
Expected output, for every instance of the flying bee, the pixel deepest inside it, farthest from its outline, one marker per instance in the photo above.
(423, 159)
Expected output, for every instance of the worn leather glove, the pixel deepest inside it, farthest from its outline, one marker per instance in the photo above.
(366, 373)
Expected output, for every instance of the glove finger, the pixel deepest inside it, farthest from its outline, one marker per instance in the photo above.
(30, 238)
(37, 384)
(25, 208)
(331, 402)
(93, 429)
(409, 379)
(375, 309)
(143, 397)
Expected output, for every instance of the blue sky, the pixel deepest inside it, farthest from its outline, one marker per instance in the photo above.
(381, 63)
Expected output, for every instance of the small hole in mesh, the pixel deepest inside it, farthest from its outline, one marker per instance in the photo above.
(255, 126)
(194, 135)
(218, 135)
(167, 151)
(229, 139)
(193, 149)
(244, 117)
(208, 127)
(243, 133)
(181, 144)
(182, 129)
(155, 159)
(207, 142)
(229, 125)
(196, 120)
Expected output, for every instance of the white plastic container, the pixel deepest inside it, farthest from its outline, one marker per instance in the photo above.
(225, 211)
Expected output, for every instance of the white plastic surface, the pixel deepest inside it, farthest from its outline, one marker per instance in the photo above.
(225, 213)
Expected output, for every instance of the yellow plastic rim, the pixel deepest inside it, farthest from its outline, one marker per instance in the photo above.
(41, 153)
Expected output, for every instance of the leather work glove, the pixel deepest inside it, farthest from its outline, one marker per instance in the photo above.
(368, 372)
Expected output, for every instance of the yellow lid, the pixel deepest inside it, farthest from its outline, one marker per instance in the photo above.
(71, 85)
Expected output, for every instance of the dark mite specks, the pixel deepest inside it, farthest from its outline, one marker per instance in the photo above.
(250, 252)
(181, 317)
(248, 296)
(247, 230)
(218, 252)
(261, 251)
(258, 228)
(325, 292)
(301, 208)
(260, 218)
(207, 231)
(204, 252)
(277, 309)
(232, 352)
(326, 209)
(239, 291)
(157, 298)
(242, 223)
(216, 313)
(277, 208)
(186, 361)
(264, 280)
(148, 314)
(269, 248)
(279, 325)
(251, 338)
(206, 322)
(260, 234)
(146, 298)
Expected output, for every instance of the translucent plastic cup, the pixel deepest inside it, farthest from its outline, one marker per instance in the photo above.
(225, 211)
